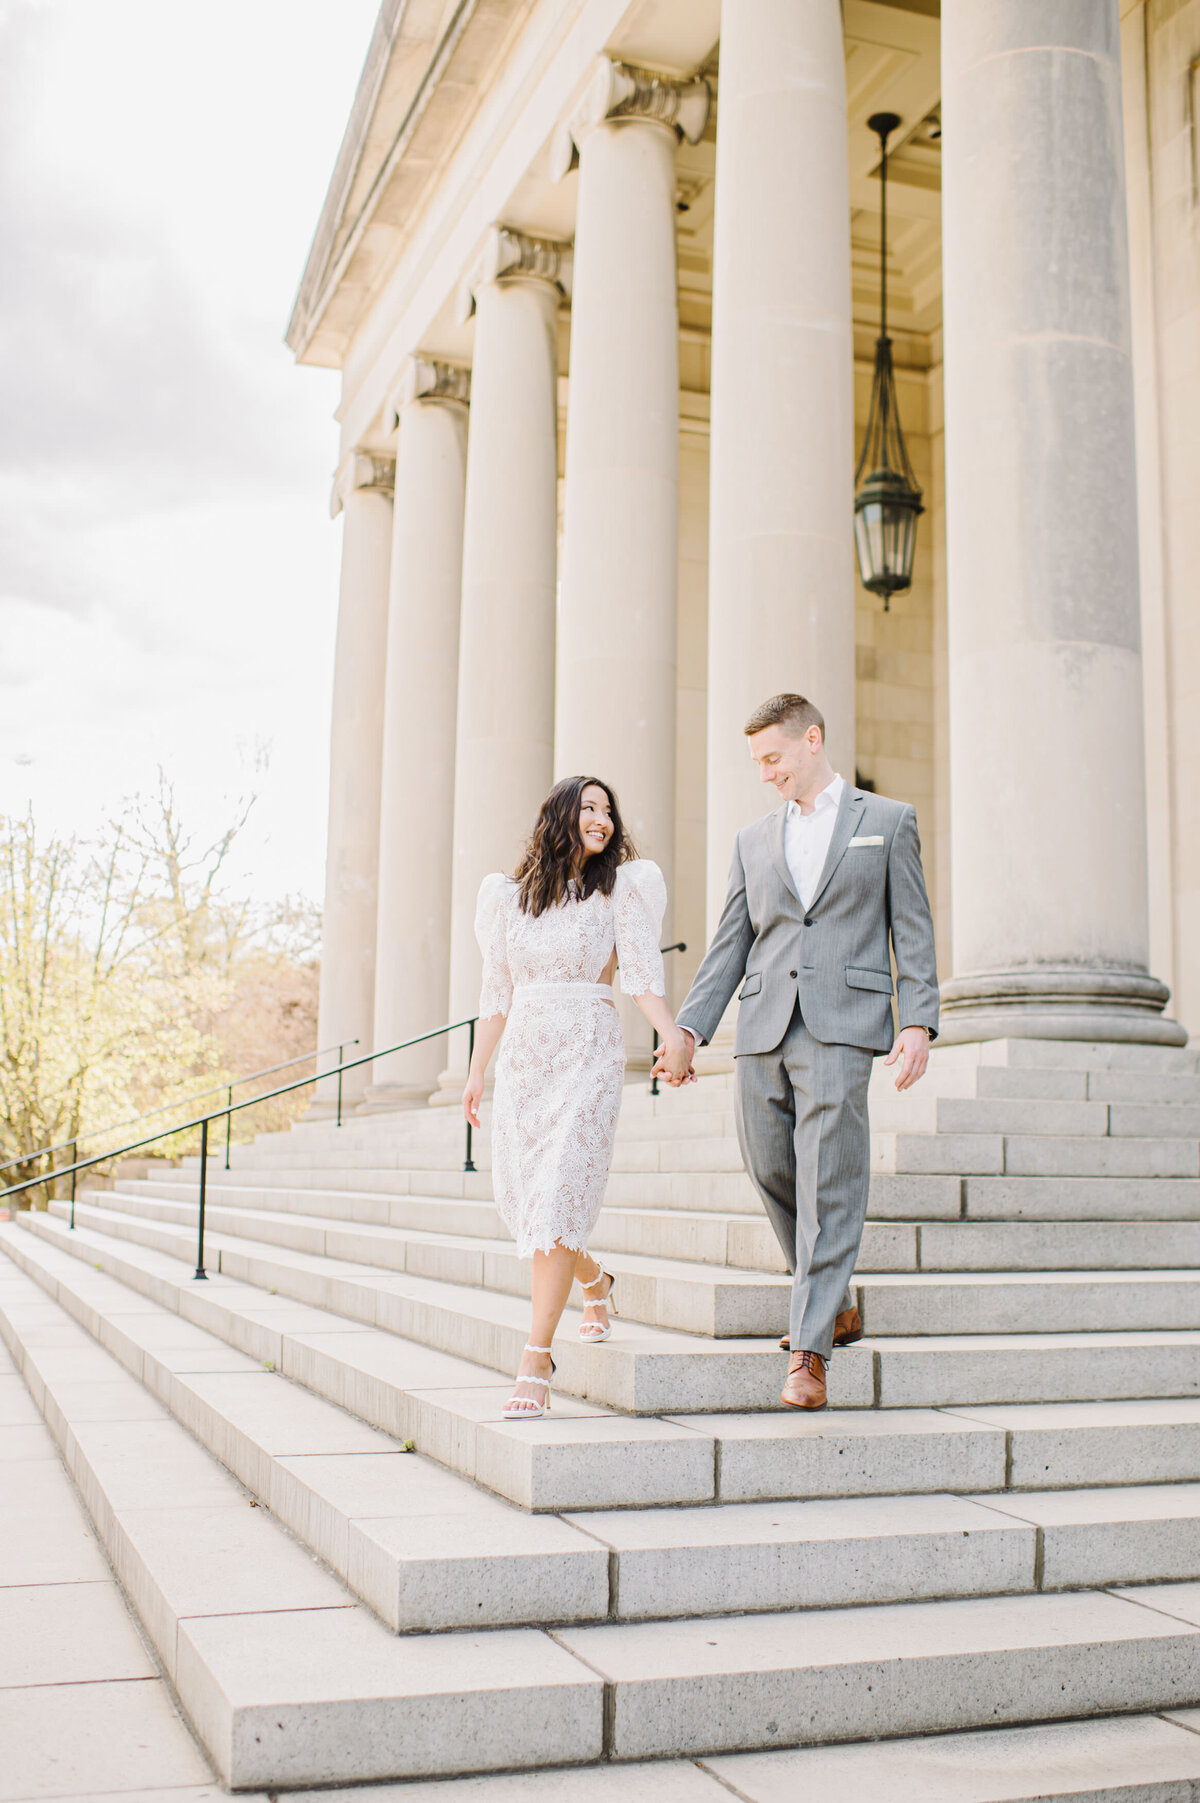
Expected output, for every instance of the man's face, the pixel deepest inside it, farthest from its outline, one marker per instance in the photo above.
(788, 763)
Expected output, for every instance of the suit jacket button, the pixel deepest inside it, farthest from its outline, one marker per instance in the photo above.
(808, 920)
(792, 973)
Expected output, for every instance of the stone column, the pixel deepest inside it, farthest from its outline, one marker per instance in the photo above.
(781, 536)
(1048, 812)
(412, 958)
(362, 490)
(503, 759)
(617, 610)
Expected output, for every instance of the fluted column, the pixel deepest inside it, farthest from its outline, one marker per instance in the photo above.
(781, 549)
(617, 610)
(505, 733)
(1048, 817)
(412, 959)
(362, 490)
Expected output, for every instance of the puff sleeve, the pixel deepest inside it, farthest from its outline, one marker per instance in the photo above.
(495, 996)
(639, 903)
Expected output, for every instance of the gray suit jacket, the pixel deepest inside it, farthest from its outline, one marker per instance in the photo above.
(834, 954)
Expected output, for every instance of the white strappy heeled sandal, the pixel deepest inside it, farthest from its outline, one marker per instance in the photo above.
(524, 1408)
(591, 1332)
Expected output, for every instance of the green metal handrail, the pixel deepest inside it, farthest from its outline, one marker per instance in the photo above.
(232, 1108)
(268, 1070)
(202, 1121)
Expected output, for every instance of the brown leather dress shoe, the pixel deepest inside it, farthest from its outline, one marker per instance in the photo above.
(846, 1329)
(805, 1386)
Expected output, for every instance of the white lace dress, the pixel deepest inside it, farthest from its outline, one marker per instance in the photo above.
(562, 1058)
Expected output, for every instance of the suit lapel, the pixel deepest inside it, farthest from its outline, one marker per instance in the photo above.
(850, 812)
(777, 829)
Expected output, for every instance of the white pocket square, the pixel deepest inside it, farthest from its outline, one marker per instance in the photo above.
(867, 839)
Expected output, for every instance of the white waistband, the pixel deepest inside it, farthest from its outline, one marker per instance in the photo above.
(590, 992)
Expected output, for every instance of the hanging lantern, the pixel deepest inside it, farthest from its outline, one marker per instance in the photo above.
(887, 499)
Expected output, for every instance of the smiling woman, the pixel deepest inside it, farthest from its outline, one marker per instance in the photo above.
(552, 938)
(166, 570)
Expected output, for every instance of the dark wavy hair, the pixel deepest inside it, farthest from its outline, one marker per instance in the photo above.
(551, 857)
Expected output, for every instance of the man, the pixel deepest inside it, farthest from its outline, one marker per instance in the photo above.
(816, 890)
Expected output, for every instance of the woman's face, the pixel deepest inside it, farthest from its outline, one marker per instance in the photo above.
(595, 820)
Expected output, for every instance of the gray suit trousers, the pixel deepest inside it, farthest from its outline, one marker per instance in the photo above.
(803, 1129)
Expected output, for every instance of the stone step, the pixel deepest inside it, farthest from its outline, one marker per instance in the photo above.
(646, 1370)
(949, 1136)
(594, 1460)
(424, 1548)
(999, 1081)
(1143, 1086)
(286, 1679)
(428, 1551)
(709, 1238)
(1027, 1302)
(1071, 1054)
(924, 1111)
(1121, 1759)
(1036, 1245)
(1097, 1199)
(1035, 1155)
(311, 1690)
(642, 1370)
(580, 1456)
(726, 1303)
(704, 1299)
(917, 1668)
(905, 1196)
(1016, 1117)
(799, 1555)
(892, 1197)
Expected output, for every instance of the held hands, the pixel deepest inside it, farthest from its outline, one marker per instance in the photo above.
(912, 1049)
(471, 1098)
(674, 1062)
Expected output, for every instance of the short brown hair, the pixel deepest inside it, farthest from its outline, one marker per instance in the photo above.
(792, 712)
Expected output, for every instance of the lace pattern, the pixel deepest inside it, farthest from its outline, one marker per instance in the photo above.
(561, 1064)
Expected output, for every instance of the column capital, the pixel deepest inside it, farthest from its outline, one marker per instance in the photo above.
(507, 253)
(427, 379)
(361, 469)
(620, 91)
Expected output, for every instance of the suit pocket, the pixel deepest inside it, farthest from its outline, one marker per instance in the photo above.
(880, 980)
(751, 986)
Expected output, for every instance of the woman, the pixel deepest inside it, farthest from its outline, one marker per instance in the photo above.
(581, 903)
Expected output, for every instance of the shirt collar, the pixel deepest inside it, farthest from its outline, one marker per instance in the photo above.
(829, 797)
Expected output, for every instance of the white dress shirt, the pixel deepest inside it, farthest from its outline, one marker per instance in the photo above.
(806, 839)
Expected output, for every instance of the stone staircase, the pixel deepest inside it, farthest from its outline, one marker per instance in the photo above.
(995, 1525)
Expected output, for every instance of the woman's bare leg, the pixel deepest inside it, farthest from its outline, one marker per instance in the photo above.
(553, 1275)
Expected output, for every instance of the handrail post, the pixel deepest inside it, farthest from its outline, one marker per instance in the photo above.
(74, 1160)
(681, 946)
(200, 1271)
(341, 1055)
(468, 1161)
(229, 1126)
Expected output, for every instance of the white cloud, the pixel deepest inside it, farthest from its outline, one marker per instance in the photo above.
(168, 572)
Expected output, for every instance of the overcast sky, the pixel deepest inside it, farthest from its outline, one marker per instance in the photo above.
(168, 568)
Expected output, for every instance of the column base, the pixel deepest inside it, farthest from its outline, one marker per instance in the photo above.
(392, 1098)
(1122, 1006)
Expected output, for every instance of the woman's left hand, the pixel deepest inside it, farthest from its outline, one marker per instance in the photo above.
(472, 1097)
(675, 1057)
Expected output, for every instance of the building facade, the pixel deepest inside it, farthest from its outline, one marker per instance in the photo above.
(602, 280)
